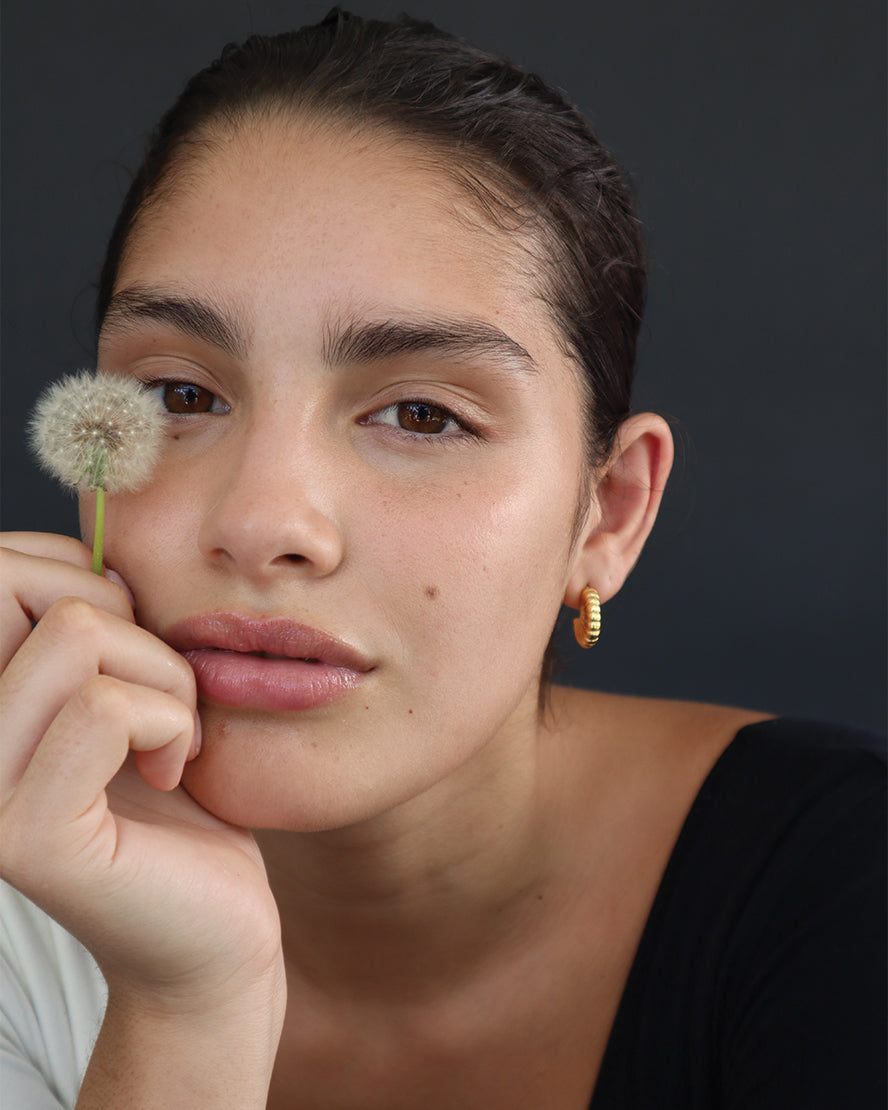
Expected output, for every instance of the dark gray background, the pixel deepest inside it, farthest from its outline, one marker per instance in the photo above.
(755, 133)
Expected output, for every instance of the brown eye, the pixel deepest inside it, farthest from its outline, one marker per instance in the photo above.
(417, 416)
(184, 398)
(422, 420)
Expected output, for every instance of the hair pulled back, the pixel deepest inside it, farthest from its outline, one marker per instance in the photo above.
(519, 145)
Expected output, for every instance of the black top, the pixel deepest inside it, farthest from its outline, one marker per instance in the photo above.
(760, 979)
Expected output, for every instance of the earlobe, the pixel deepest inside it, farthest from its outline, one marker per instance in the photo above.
(626, 501)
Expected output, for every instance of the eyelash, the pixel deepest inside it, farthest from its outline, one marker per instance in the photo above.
(463, 428)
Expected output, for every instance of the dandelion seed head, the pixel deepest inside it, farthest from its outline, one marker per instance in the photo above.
(90, 430)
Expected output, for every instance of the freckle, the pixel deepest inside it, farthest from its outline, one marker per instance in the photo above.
(366, 706)
(409, 710)
(431, 592)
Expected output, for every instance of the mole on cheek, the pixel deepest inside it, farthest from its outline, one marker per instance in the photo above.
(431, 592)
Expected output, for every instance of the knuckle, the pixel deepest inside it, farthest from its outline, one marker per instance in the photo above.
(72, 618)
(102, 696)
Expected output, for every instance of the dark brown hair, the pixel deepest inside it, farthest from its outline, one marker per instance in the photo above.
(526, 152)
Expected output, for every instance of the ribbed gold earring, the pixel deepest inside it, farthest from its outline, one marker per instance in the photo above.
(587, 626)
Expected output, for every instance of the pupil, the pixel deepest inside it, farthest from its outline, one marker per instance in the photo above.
(418, 417)
(181, 397)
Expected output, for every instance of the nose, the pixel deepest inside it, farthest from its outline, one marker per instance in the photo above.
(273, 505)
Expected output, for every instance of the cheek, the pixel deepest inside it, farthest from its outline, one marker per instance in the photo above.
(460, 567)
(468, 557)
(511, 526)
(148, 534)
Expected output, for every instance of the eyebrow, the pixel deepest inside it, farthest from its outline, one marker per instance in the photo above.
(358, 341)
(351, 341)
(205, 320)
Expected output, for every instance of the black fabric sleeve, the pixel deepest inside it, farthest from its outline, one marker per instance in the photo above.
(760, 979)
(804, 1008)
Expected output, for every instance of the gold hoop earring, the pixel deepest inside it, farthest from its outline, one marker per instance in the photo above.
(587, 626)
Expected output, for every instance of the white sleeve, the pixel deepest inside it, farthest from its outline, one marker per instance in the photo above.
(52, 1001)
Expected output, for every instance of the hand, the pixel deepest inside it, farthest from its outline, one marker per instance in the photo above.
(99, 718)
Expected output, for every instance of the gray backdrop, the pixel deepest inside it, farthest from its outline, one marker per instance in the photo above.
(755, 133)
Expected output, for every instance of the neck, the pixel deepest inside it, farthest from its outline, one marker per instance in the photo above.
(414, 899)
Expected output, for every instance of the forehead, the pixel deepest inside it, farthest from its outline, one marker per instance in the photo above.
(312, 212)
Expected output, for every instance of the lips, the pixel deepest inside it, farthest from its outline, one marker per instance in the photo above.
(272, 664)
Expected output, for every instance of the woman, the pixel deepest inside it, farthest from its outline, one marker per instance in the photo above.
(388, 289)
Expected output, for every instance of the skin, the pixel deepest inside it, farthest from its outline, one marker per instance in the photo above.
(422, 572)
(433, 902)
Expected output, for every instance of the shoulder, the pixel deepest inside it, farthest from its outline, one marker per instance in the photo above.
(789, 831)
(814, 742)
(783, 801)
(695, 740)
(741, 798)
(783, 776)
(762, 967)
(52, 999)
(796, 811)
(701, 788)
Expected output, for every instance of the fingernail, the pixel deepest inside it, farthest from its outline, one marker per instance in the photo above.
(196, 742)
(113, 576)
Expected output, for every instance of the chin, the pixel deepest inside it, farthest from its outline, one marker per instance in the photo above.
(267, 778)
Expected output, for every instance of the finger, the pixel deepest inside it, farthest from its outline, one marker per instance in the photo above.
(30, 586)
(59, 808)
(49, 545)
(73, 642)
(64, 549)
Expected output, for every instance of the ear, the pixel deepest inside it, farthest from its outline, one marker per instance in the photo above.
(623, 508)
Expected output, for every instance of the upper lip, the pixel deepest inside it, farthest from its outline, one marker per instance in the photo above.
(271, 636)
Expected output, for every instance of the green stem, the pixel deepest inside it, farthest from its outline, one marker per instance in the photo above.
(99, 534)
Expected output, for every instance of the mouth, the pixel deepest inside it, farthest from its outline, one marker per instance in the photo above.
(273, 664)
(267, 655)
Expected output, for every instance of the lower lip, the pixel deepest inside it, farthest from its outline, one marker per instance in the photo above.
(239, 679)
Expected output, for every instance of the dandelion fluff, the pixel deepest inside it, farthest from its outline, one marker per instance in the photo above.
(98, 432)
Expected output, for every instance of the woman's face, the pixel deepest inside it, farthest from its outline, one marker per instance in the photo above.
(377, 438)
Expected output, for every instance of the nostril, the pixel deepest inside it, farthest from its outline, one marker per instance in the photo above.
(295, 558)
